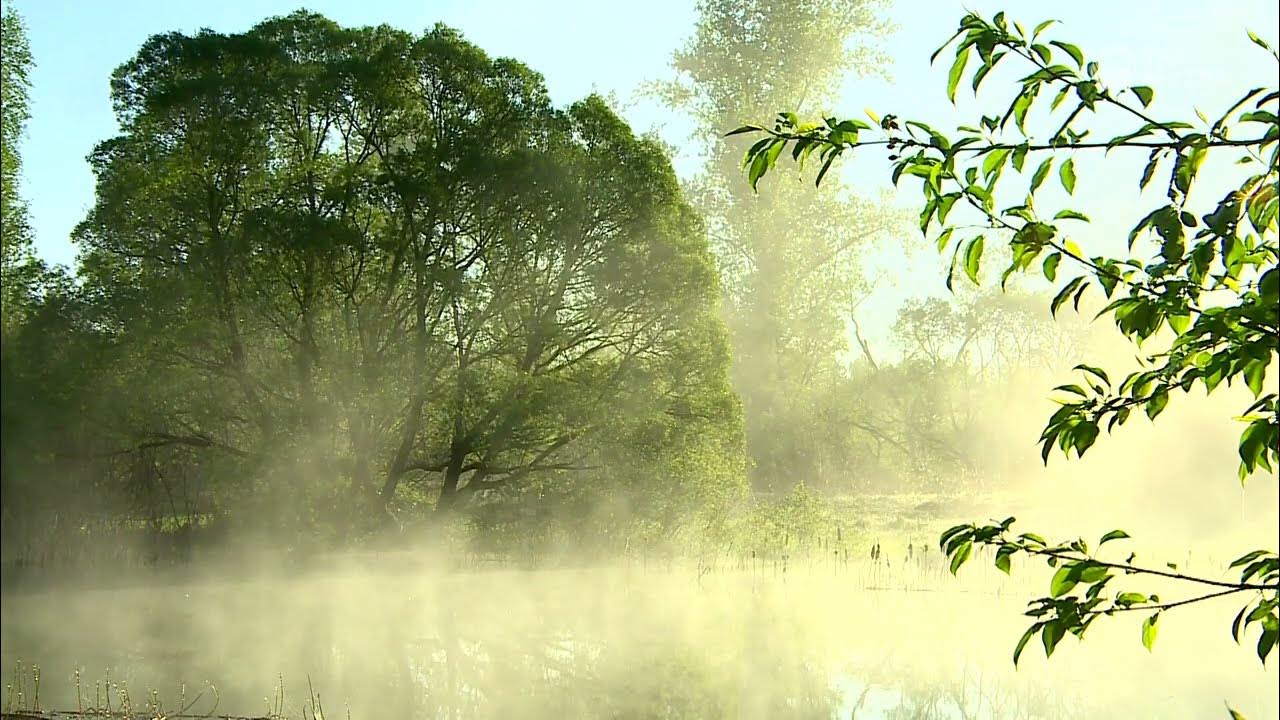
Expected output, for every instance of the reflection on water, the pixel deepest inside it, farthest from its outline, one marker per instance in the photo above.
(619, 643)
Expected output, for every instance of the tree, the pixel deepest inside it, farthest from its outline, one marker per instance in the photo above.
(1199, 282)
(17, 266)
(786, 260)
(32, 300)
(917, 411)
(350, 263)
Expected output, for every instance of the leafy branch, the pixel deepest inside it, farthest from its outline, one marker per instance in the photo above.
(1205, 283)
(1067, 610)
(1233, 248)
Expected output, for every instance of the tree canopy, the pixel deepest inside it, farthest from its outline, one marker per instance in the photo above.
(339, 270)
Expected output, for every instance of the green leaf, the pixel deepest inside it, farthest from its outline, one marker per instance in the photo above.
(1149, 170)
(1002, 559)
(1071, 50)
(945, 238)
(1255, 374)
(1093, 574)
(1247, 558)
(1051, 266)
(1067, 174)
(961, 555)
(1064, 294)
(1064, 580)
(981, 73)
(1022, 643)
(826, 165)
(942, 47)
(1094, 371)
(1041, 28)
(1157, 402)
(1034, 538)
(950, 533)
(957, 71)
(1070, 215)
(1040, 174)
(1084, 436)
(945, 203)
(1144, 93)
(1265, 643)
(1062, 95)
(1113, 535)
(1236, 624)
(994, 161)
(1020, 156)
(1269, 286)
(1150, 627)
(1020, 108)
(973, 258)
(750, 155)
(764, 160)
(1253, 447)
(1260, 42)
(1053, 632)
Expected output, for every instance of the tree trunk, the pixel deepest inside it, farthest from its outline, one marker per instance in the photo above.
(397, 467)
(449, 493)
(413, 418)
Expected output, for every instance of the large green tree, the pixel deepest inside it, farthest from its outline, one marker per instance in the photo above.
(355, 265)
(788, 260)
(1196, 284)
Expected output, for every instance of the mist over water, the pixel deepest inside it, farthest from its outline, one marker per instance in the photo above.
(817, 629)
(388, 638)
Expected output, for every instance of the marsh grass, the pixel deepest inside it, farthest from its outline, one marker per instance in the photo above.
(114, 700)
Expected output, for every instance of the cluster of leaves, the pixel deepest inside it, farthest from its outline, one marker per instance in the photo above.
(1206, 280)
(1078, 589)
(1229, 251)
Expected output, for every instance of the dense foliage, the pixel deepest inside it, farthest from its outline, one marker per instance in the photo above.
(332, 273)
(1199, 282)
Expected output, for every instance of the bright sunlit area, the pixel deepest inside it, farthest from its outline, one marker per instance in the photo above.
(752, 359)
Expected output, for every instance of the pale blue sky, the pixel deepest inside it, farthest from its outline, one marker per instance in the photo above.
(1187, 50)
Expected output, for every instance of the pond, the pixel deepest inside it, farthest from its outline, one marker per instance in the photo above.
(384, 636)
